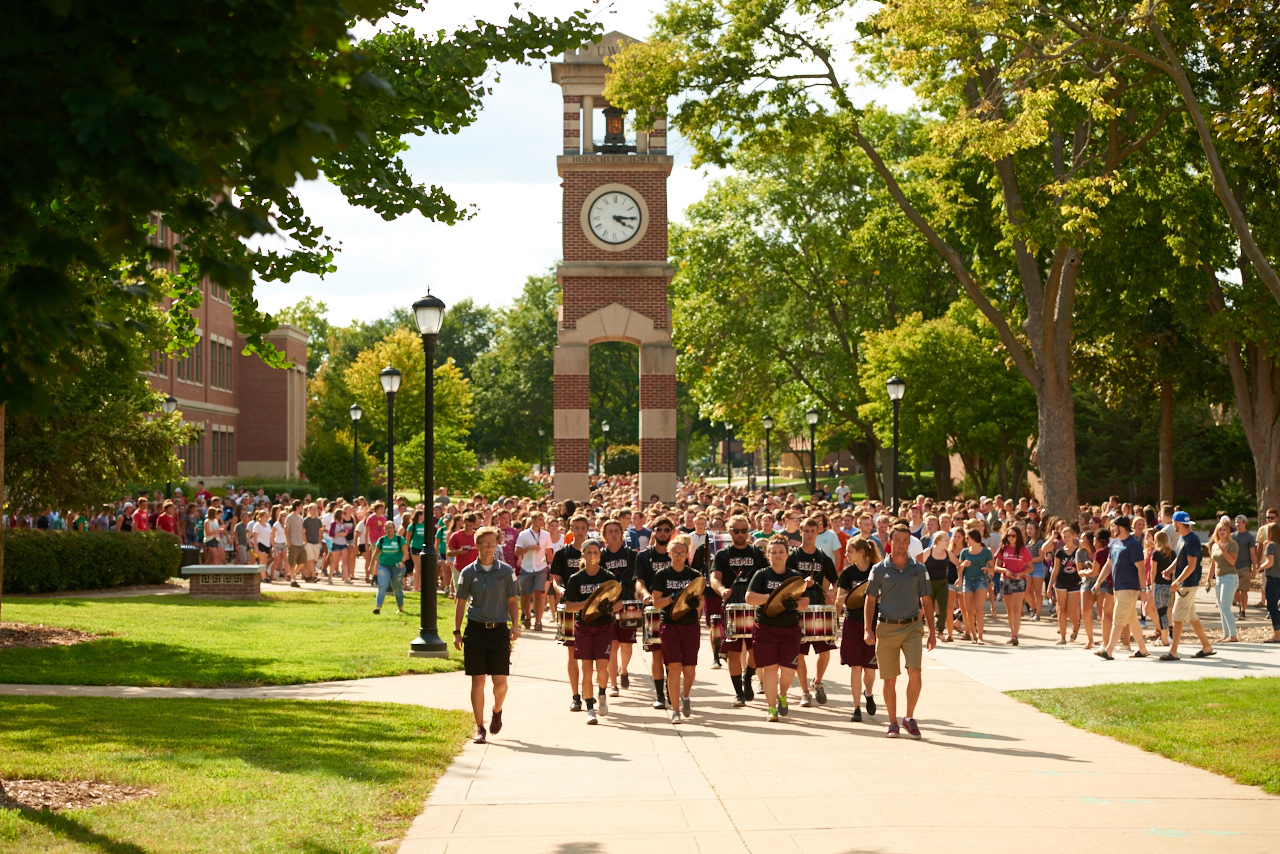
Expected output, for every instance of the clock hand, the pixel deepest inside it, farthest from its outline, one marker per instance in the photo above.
(619, 218)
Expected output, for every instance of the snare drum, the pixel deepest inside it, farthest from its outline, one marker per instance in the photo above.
(564, 624)
(632, 614)
(652, 628)
(818, 624)
(739, 621)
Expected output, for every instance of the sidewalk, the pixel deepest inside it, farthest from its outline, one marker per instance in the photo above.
(990, 774)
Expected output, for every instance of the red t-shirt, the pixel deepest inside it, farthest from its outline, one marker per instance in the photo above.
(375, 527)
(1015, 562)
(466, 542)
(164, 522)
(141, 520)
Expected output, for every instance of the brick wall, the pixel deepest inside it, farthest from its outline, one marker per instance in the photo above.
(650, 184)
(657, 391)
(246, 585)
(572, 391)
(648, 296)
(572, 455)
(657, 455)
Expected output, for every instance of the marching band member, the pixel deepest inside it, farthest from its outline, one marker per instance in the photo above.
(649, 562)
(592, 641)
(776, 639)
(620, 560)
(564, 565)
(855, 653)
(732, 571)
(820, 570)
(680, 635)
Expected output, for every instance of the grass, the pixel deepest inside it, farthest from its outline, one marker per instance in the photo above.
(287, 638)
(1228, 726)
(230, 775)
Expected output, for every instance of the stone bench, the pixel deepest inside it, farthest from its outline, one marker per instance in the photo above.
(224, 581)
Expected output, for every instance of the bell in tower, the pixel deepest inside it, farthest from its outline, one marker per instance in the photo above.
(615, 137)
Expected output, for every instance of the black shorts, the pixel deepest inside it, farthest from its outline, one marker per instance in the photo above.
(486, 652)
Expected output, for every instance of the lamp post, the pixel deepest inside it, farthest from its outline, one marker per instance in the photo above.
(728, 454)
(768, 474)
(390, 378)
(604, 428)
(169, 406)
(542, 450)
(812, 417)
(356, 412)
(428, 312)
(897, 387)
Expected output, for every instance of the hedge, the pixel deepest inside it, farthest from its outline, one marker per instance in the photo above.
(49, 561)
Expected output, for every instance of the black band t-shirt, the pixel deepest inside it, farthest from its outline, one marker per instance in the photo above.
(668, 582)
(622, 564)
(766, 581)
(648, 563)
(579, 588)
(737, 567)
(565, 563)
(814, 566)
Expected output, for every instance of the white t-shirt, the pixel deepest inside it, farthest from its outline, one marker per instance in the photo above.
(261, 532)
(842, 493)
(280, 536)
(534, 561)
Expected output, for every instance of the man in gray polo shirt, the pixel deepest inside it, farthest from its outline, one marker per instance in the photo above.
(900, 587)
(488, 594)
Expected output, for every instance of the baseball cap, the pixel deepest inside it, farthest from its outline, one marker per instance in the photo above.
(1123, 522)
(1182, 516)
(1242, 518)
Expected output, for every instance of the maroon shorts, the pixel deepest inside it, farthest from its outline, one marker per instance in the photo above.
(680, 644)
(592, 643)
(816, 646)
(622, 635)
(854, 651)
(712, 606)
(735, 645)
(776, 646)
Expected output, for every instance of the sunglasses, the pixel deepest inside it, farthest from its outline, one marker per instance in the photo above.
(662, 530)
(739, 530)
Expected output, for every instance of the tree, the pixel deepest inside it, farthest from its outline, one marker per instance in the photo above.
(513, 379)
(311, 316)
(466, 331)
(961, 397)
(455, 464)
(207, 115)
(1043, 152)
(329, 461)
(781, 272)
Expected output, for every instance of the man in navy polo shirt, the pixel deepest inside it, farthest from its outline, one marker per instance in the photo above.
(1185, 573)
(1123, 566)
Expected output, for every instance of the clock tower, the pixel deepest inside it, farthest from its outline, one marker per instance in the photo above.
(614, 274)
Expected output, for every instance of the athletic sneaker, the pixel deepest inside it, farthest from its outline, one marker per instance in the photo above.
(613, 692)
(576, 704)
(782, 706)
(857, 715)
(659, 704)
(773, 715)
(625, 680)
(479, 739)
(684, 706)
(601, 703)
(591, 717)
(675, 716)
(820, 693)
(495, 723)
(739, 701)
(909, 724)
(893, 731)
(805, 700)
(375, 610)
(871, 703)
(748, 693)
(715, 664)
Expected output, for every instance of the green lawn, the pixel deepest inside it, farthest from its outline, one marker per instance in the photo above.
(1228, 726)
(230, 775)
(287, 638)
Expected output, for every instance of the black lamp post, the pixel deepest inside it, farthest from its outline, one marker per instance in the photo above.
(542, 450)
(768, 474)
(897, 387)
(170, 406)
(604, 428)
(356, 413)
(428, 312)
(728, 453)
(390, 378)
(812, 417)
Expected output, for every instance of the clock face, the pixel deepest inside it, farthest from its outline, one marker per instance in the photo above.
(614, 217)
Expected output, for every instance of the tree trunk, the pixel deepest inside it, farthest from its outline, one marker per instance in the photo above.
(1002, 475)
(1166, 440)
(942, 476)
(1055, 453)
(886, 476)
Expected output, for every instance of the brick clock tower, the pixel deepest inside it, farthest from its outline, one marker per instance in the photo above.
(614, 275)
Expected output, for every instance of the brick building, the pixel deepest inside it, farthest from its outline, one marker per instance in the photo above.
(254, 418)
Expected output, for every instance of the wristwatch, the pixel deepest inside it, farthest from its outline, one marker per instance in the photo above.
(457, 631)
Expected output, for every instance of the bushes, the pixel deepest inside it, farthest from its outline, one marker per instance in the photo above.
(622, 459)
(508, 477)
(45, 562)
(326, 462)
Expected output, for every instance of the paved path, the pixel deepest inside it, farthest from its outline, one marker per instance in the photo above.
(990, 774)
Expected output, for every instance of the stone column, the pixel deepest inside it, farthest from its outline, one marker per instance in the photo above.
(572, 124)
(588, 130)
(657, 422)
(572, 434)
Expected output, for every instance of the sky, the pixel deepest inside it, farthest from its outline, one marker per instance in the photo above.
(503, 166)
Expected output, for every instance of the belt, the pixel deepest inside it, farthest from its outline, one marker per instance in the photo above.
(484, 625)
(905, 622)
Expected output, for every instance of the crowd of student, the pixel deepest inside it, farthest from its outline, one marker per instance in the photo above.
(975, 552)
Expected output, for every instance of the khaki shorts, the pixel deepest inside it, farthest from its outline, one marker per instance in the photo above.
(1126, 610)
(893, 640)
(297, 555)
(1184, 606)
(313, 551)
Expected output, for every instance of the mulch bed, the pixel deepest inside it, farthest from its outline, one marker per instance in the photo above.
(61, 795)
(26, 635)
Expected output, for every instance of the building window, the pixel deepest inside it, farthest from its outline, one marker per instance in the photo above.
(229, 449)
(191, 364)
(219, 365)
(217, 453)
(159, 363)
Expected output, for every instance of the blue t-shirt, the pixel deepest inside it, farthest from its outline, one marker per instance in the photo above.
(1190, 548)
(1126, 555)
(973, 571)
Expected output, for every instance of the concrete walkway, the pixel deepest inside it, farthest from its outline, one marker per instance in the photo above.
(990, 774)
